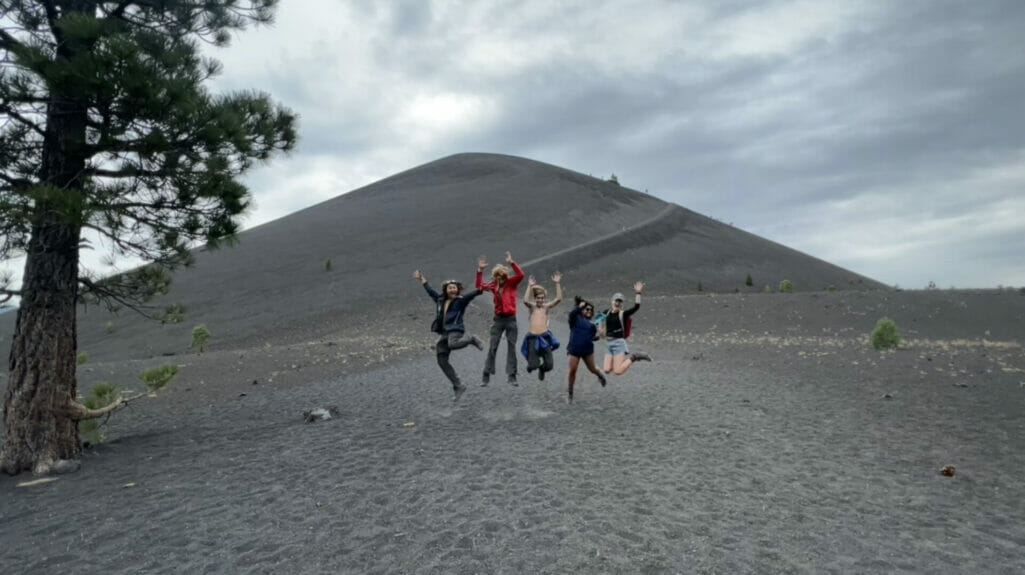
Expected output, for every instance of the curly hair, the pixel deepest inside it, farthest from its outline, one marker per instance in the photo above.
(500, 270)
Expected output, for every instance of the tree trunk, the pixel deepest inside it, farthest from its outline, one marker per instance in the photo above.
(37, 424)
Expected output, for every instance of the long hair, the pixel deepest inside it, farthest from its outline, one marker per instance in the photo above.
(534, 291)
(444, 287)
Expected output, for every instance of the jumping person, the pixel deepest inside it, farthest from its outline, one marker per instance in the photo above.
(448, 322)
(539, 343)
(615, 330)
(503, 288)
(582, 334)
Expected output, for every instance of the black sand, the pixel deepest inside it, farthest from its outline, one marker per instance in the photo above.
(767, 437)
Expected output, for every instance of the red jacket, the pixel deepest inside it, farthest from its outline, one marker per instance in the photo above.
(505, 296)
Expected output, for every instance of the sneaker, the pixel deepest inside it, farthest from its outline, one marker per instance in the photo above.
(485, 379)
(638, 356)
(512, 381)
(459, 390)
(601, 380)
(569, 398)
(477, 343)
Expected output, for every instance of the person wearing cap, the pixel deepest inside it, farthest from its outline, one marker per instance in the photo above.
(503, 287)
(614, 329)
(448, 322)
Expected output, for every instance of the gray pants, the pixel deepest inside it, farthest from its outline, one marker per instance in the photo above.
(503, 324)
(448, 342)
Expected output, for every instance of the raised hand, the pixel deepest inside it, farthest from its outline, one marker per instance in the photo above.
(557, 277)
(419, 276)
(508, 258)
(531, 281)
(639, 287)
(482, 262)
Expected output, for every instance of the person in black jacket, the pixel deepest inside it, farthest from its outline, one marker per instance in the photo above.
(615, 331)
(448, 322)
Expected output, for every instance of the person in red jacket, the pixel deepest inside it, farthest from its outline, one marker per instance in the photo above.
(503, 287)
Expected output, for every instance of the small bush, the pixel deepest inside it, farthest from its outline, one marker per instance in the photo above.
(110, 327)
(327, 265)
(156, 378)
(885, 334)
(749, 282)
(700, 287)
(831, 287)
(768, 288)
(200, 335)
(786, 287)
(613, 179)
(100, 396)
(173, 314)
(82, 358)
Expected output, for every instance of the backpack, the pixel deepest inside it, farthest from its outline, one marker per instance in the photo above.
(627, 324)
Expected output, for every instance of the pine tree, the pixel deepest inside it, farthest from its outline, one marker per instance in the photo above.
(105, 125)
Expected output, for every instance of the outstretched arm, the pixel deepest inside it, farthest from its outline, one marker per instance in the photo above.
(557, 278)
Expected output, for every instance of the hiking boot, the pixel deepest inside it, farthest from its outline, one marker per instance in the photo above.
(477, 343)
(512, 381)
(601, 380)
(638, 356)
(541, 374)
(485, 379)
(459, 390)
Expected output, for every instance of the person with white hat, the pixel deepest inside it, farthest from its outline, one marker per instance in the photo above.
(615, 328)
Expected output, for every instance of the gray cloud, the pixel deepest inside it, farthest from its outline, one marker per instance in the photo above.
(886, 137)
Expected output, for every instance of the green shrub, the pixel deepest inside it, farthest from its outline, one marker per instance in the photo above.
(885, 334)
(831, 287)
(768, 288)
(156, 378)
(82, 358)
(173, 314)
(786, 287)
(102, 395)
(700, 287)
(110, 327)
(200, 335)
(327, 265)
(749, 282)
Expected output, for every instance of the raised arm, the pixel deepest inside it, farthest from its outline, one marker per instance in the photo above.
(517, 274)
(638, 288)
(557, 278)
(482, 262)
(420, 277)
(526, 294)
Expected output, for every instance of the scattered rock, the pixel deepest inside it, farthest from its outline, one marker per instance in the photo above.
(242, 395)
(63, 466)
(887, 396)
(255, 382)
(947, 471)
(697, 357)
(35, 482)
(960, 384)
(320, 414)
(128, 485)
(408, 424)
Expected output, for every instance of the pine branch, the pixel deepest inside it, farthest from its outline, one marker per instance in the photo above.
(79, 412)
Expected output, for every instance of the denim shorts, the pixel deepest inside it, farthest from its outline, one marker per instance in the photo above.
(618, 346)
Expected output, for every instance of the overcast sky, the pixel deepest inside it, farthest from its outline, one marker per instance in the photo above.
(886, 137)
